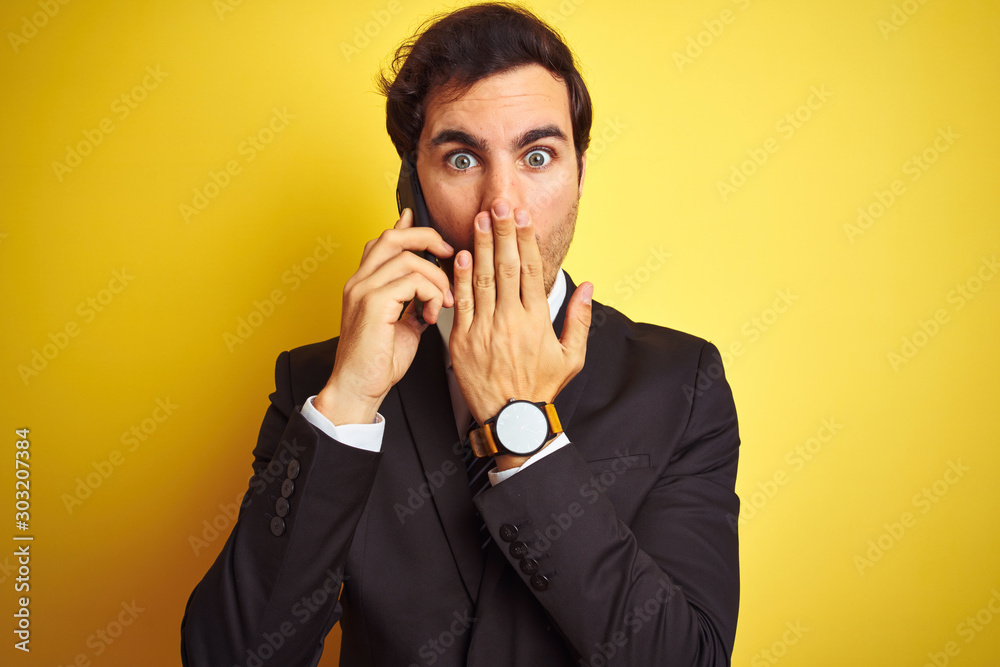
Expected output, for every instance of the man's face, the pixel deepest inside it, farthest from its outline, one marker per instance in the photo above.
(509, 136)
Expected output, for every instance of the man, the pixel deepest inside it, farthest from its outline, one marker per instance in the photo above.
(600, 535)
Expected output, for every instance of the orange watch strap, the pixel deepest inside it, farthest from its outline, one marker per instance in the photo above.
(482, 441)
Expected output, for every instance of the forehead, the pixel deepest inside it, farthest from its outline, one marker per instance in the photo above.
(502, 105)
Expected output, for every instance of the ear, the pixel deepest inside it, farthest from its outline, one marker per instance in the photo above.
(583, 175)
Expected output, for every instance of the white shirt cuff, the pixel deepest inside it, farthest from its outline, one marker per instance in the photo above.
(496, 477)
(359, 436)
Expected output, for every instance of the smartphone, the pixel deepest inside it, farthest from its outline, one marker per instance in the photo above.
(409, 195)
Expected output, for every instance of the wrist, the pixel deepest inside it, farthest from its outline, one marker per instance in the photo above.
(342, 407)
(508, 461)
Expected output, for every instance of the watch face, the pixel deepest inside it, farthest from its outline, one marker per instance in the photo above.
(522, 427)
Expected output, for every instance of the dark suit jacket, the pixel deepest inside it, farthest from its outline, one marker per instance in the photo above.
(630, 529)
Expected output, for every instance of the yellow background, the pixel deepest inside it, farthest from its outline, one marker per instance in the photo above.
(666, 132)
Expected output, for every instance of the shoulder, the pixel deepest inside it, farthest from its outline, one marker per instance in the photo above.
(615, 337)
(306, 369)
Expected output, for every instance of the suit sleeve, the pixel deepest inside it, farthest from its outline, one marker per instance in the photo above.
(272, 593)
(662, 590)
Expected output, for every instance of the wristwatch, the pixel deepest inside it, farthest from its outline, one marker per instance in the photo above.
(520, 428)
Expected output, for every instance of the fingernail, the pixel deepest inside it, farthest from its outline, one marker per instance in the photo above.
(521, 218)
(501, 210)
(462, 260)
(450, 295)
(588, 293)
(484, 223)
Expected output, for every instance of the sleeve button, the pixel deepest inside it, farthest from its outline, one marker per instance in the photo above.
(540, 582)
(529, 565)
(277, 526)
(508, 532)
(281, 507)
(287, 488)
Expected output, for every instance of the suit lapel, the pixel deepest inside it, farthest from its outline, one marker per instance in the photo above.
(424, 394)
(569, 397)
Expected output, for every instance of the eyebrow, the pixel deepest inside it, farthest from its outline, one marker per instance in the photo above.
(478, 143)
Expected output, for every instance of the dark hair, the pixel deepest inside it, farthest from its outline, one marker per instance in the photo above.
(458, 49)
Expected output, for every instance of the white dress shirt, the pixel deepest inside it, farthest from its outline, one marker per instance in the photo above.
(369, 436)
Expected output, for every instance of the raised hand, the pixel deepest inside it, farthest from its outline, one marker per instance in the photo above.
(502, 342)
(376, 345)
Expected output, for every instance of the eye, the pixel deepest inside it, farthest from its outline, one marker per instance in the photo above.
(538, 158)
(462, 161)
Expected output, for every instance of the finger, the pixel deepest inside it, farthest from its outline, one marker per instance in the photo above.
(404, 221)
(532, 270)
(507, 264)
(400, 266)
(389, 298)
(392, 242)
(577, 325)
(483, 281)
(464, 299)
(409, 319)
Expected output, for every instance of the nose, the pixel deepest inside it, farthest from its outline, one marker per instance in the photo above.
(501, 181)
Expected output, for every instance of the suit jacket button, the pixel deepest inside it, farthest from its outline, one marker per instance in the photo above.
(508, 532)
(293, 468)
(287, 487)
(540, 582)
(277, 526)
(518, 549)
(281, 507)
(529, 565)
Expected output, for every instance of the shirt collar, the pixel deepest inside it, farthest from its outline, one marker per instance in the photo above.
(446, 317)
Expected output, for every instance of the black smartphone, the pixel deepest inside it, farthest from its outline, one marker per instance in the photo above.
(409, 195)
